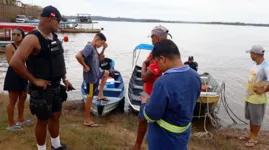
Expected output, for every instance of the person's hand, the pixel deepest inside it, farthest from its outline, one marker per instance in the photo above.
(69, 86)
(144, 100)
(42, 83)
(86, 68)
(259, 90)
(105, 45)
(146, 62)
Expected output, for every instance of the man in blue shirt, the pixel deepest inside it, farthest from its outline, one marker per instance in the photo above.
(89, 59)
(169, 110)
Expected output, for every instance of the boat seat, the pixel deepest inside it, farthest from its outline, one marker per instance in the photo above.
(135, 98)
(139, 79)
(204, 78)
(205, 94)
(138, 87)
(118, 81)
(113, 89)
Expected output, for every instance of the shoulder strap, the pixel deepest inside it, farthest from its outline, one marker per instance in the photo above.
(14, 46)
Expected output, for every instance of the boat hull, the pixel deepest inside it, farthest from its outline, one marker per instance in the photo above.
(25, 27)
(115, 96)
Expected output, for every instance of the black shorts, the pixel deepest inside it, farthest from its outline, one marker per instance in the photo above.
(43, 103)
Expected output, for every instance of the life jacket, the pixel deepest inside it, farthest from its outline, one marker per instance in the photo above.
(49, 63)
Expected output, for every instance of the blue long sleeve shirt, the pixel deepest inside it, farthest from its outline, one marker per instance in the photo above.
(173, 99)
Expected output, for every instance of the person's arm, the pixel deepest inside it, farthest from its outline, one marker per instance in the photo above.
(149, 72)
(261, 90)
(103, 50)
(9, 52)
(17, 62)
(154, 109)
(87, 51)
(80, 59)
(196, 66)
(68, 85)
(146, 75)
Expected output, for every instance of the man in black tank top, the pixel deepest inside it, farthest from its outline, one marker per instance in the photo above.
(191, 63)
(43, 53)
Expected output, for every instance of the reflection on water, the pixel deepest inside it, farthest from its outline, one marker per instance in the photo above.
(218, 49)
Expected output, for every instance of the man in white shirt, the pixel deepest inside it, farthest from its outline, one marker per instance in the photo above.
(256, 98)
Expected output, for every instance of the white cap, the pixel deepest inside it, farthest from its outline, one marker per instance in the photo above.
(258, 49)
(160, 31)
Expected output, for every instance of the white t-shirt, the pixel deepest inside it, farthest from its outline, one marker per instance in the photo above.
(258, 74)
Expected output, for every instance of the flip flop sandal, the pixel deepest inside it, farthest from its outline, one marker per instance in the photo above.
(15, 128)
(92, 125)
(251, 143)
(244, 137)
(103, 99)
(26, 122)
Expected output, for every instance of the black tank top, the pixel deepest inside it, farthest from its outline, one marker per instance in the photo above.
(14, 45)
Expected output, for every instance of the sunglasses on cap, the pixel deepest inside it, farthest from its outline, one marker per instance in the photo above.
(18, 34)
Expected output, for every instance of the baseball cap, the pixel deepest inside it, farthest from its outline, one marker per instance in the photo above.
(190, 57)
(258, 49)
(50, 11)
(160, 31)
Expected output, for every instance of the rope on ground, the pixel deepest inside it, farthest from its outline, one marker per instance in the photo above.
(205, 134)
(214, 122)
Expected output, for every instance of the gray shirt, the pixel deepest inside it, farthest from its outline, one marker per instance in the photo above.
(91, 59)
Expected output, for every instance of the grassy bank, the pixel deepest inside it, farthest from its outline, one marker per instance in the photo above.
(118, 131)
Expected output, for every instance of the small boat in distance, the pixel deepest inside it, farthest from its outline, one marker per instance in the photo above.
(73, 27)
(206, 103)
(114, 92)
(76, 25)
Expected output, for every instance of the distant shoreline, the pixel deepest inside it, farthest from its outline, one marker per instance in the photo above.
(119, 19)
(207, 23)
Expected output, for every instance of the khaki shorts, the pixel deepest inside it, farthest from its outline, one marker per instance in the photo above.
(255, 113)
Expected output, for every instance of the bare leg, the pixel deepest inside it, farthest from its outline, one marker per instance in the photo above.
(102, 85)
(256, 129)
(13, 97)
(142, 129)
(22, 98)
(87, 119)
(40, 131)
(251, 129)
(54, 125)
(254, 133)
(88, 106)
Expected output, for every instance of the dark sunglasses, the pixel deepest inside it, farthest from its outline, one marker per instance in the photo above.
(57, 19)
(18, 34)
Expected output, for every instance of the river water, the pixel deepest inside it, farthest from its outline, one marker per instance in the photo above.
(218, 49)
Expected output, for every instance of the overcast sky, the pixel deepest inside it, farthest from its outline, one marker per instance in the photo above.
(186, 10)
